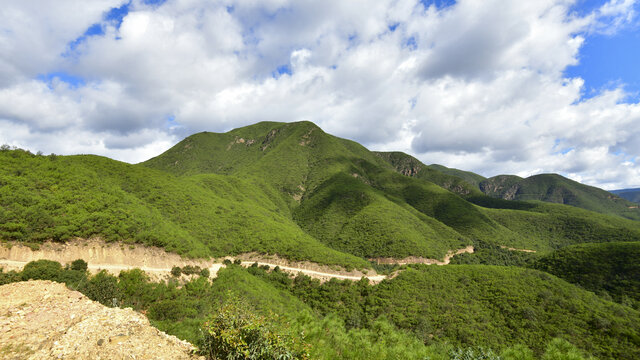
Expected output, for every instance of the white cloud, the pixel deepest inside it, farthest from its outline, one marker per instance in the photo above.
(478, 85)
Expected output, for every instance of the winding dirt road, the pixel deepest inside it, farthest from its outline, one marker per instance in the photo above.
(158, 263)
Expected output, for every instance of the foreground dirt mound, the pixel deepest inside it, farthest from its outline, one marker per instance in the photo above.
(46, 320)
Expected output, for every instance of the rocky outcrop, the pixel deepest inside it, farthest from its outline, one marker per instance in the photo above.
(46, 320)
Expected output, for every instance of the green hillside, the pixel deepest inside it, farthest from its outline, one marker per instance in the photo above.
(557, 189)
(609, 269)
(63, 197)
(425, 312)
(488, 306)
(460, 182)
(468, 176)
(632, 195)
(286, 189)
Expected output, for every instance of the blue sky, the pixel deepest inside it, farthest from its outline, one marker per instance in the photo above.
(491, 86)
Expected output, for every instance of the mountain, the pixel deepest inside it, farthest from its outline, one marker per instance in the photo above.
(558, 189)
(278, 188)
(460, 182)
(468, 176)
(291, 190)
(632, 195)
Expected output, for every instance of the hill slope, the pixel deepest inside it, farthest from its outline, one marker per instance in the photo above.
(460, 182)
(557, 189)
(65, 197)
(608, 268)
(35, 311)
(276, 188)
(632, 195)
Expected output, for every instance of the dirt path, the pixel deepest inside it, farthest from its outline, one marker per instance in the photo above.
(319, 275)
(420, 260)
(158, 263)
(514, 249)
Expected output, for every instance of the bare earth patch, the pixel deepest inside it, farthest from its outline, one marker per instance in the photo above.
(421, 260)
(46, 320)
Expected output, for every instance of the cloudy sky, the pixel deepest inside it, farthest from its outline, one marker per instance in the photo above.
(491, 86)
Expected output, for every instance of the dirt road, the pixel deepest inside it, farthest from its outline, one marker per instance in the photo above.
(158, 263)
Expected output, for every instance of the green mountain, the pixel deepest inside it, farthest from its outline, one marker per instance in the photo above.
(632, 195)
(468, 176)
(295, 191)
(278, 188)
(557, 189)
(460, 182)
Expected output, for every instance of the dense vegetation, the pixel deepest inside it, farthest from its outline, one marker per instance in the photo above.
(63, 197)
(286, 189)
(457, 181)
(611, 270)
(292, 190)
(557, 189)
(439, 312)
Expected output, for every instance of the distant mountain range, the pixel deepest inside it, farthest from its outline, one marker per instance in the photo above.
(632, 195)
(544, 187)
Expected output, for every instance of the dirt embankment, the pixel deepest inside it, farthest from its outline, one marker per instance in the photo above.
(115, 257)
(420, 260)
(46, 320)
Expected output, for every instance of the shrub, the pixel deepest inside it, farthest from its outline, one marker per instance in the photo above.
(205, 273)
(79, 265)
(42, 270)
(190, 270)
(103, 288)
(176, 271)
(235, 332)
(226, 262)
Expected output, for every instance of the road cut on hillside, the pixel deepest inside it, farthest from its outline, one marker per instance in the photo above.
(157, 263)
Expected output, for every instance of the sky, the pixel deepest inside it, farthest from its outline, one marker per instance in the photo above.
(490, 86)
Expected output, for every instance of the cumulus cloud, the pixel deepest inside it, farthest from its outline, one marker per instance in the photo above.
(477, 85)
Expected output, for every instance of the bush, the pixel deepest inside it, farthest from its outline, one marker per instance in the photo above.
(226, 262)
(205, 273)
(235, 332)
(190, 270)
(8, 277)
(176, 271)
(103, 287)
(42, 270)
(79, 265)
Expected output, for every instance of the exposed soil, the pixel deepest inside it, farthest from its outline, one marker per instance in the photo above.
(115, 257)
(514, 249)
(46, 320)
(421, 260)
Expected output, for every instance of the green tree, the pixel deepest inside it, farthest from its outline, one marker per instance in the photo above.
(176, 271)
(79, 265)
(236, 332)
(42, 270)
